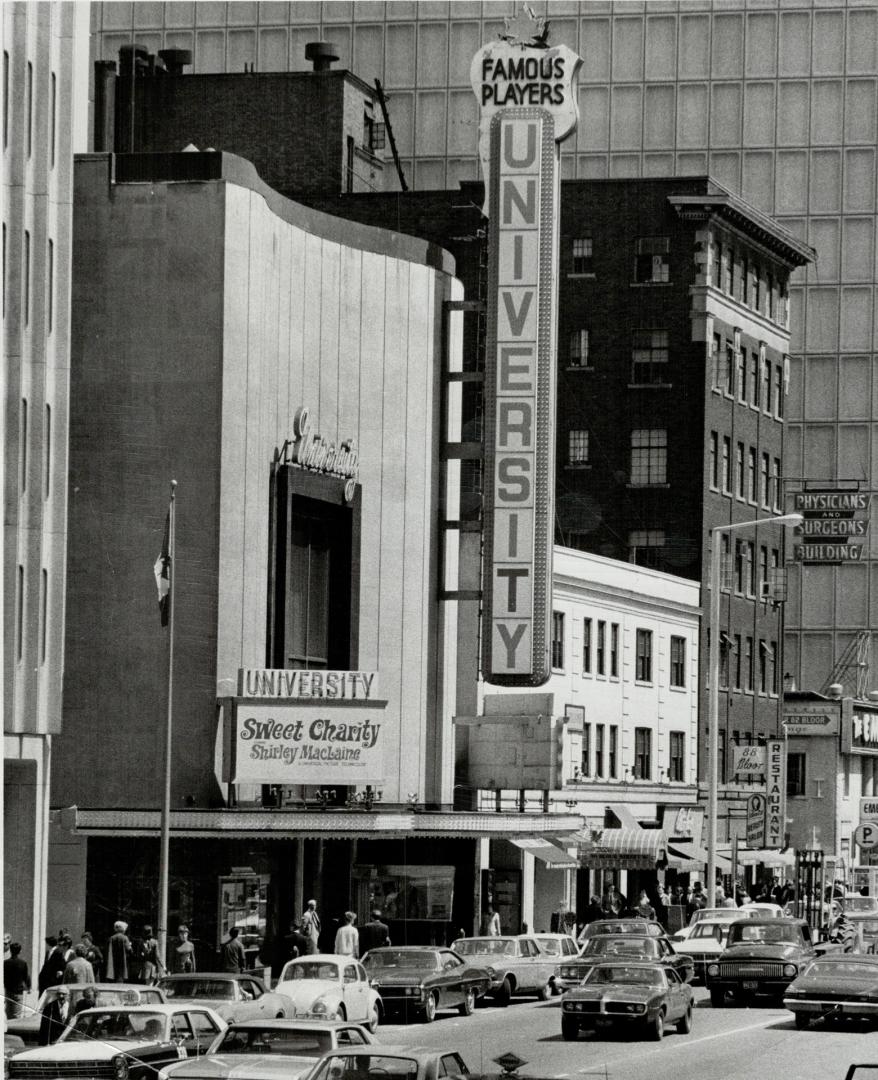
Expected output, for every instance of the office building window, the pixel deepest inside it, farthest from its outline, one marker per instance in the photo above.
(19, 613)
(643, 670)
(586, 646)
(762, 650)
(741, 375)
(729, 385)
(53, 110)
(5, 99)
(763, 572)
(599, 737)
(26, 277)
(751, 568)
(764, 482)
(349, 164)
(649, 356)
(678, 661)
(717, 355)
(4, 269)
(713, 464)
(649, 456)
(614, 650)
(795, 774)
(725, 648)
(765, 397)
(754, 380)
(721, 754)
(739, 470)
(577, 447)
(726, 465)
(739, 567)
(583, 255)
(769, 295)
(677, 764)
(47, 471)
(558, 639)
(585, 756)
(736, 649)
(748, 664)
(778, 391)
(743, 280)
(44, 613)
(50, 288)
(578, 355)
(725, 568)
(29, 108)
(651, 262)
(642, 753)
(646, 547)
(776, 493)
(600, 657)
(22, 446)
(716, 269)
(751, 474)
(772, 668)
(613, 753)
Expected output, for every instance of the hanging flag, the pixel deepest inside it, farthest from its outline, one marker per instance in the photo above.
(162, 570)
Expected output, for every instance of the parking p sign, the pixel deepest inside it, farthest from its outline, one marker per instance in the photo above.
(866, 835)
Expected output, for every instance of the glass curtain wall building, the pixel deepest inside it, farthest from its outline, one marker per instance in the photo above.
(777, 99)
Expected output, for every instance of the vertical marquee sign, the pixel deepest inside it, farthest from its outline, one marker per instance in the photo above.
(525, 90)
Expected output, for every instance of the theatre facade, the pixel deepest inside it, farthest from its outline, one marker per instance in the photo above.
(286, 369)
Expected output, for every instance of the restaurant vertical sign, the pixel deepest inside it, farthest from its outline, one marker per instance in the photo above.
(526, 93)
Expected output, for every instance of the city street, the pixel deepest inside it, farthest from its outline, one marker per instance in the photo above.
(725, 1044)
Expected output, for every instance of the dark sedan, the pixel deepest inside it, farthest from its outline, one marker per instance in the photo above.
(762, 956)
(634, 947)
(645, 997)
(622, 926)
(835, 987)
(420, 981)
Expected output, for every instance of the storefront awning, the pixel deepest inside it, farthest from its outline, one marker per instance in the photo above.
(624, 849)
(684, 855)
(765, 856)
(552, 856)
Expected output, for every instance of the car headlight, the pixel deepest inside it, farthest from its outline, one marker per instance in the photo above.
(713, 969)
(320, 1008)
(492, 972)
(790, 970)
(120, 1067)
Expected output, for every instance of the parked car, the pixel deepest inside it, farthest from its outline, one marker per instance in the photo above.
(28, 1027)
(706, 942)
(420, 981)
(726, 915)
(762, 956)
(268, 1050)
(839, 985)
(561, 946)
(234, 996)
(647, 997)
(622, 926)
(390, 1063)
(515, 962)
(325, 986)
(122, 1043)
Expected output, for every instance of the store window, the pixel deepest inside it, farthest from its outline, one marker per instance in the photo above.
(642, 753)
(614, 650)
(586, 646)
(678, 661)
(643, 668)
(600, 733)
(601, 648)
(244, 902)
(613, 753)
(585, 756)
(677, 764)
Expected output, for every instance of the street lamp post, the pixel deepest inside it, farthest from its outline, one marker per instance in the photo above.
(713, 676)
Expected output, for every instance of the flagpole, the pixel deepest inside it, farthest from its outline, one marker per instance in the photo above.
(164, 844)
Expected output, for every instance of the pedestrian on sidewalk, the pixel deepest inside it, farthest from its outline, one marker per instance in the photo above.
(183, 954)
(347, 938)
(234, 958)
(16, 981)
(311, 926)
(93, 954)
(118, 953)
(79, 970)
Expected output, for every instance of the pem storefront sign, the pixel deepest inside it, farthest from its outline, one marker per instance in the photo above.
(301, 742)
(528, 105)
(860, 733)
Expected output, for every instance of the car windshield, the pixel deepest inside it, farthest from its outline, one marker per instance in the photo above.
(745, 933)
(550, 946)
(630, 946)
(635, 926)
(116, 1025)
(399, 958)
(714, 930)
(493, 946)
(623, 973)
(835, 969)
(861, 903)
(305, 1043)
(212, 989)
(309, 969)
(365, 1067)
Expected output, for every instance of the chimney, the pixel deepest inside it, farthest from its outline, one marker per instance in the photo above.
(322, 54)
(175, 60)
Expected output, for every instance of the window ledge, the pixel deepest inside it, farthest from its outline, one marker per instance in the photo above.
(654, 487)
(582, 275)
(577, 468)
(651, 284)
(678, 689)
(650, 386)
(579, 367)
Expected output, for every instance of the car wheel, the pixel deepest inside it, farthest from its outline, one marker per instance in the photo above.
(341, 1013)
(280, 1015)
(803, 1020)
(569, 1029)
(717, 997)
(504, 994)
(544, 992)
(684, 1024)
(556, 989)
(656, 1027)
(374, 1018)
(429, 1009)
(468, 1006)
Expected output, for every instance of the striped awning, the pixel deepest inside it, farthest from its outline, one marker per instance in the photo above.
(624, 849)
(554, 857)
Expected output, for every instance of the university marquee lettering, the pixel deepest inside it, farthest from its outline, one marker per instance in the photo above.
(284, 683)
(525, 91)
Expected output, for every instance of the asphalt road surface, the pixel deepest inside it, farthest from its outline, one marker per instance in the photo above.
(760, 1043)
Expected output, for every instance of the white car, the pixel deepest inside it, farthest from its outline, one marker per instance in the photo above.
(325, 986)
(561, 946)
(716, 914)
(706, 941)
